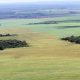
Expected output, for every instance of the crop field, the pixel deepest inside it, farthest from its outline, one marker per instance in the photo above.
(48, 57)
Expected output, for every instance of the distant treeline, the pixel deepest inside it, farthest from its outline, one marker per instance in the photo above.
(54, 22)
(74, 39)
(12, 44)
(6, 35)
(45, 22)
(66, 27)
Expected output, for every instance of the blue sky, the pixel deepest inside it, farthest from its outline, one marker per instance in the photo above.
(14, 1)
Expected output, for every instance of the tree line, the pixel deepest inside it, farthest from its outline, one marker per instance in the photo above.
(7, 35)
(12, 44)
(74, 39)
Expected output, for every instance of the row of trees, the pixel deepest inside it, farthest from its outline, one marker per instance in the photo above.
(45, 22)
(6, 35)
(12, 44)
(75, 39)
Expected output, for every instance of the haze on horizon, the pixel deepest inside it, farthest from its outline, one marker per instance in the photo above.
(31, 1)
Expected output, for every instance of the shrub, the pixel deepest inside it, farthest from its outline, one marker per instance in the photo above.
(75, 39)
(7, 35)
(12, 44)
(1, 48)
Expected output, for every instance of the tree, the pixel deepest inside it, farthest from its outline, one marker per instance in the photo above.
(75, 39)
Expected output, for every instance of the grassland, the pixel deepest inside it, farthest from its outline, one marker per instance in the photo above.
(55, 29)
(47, 58)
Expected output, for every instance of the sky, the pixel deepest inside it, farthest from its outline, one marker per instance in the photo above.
(16, 1)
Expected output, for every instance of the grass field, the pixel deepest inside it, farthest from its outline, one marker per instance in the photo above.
(47, 58)
(55, 29)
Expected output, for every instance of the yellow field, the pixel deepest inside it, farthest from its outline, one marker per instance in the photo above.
(47, 58)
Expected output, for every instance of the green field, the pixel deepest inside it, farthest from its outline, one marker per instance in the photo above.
(49, 28)
(47, 58)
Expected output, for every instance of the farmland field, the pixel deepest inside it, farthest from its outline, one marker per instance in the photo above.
(48, 57)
